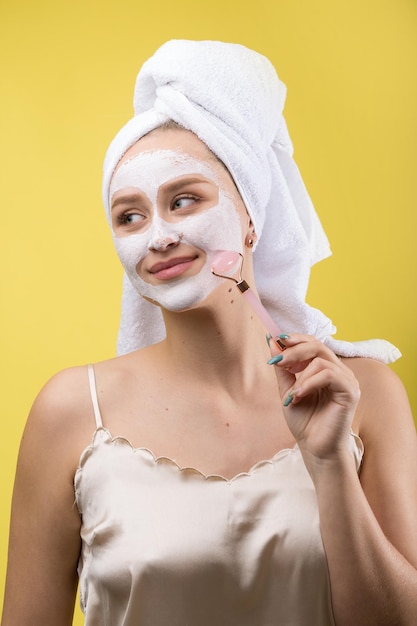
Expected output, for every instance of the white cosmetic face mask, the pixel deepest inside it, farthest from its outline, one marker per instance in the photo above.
(217, 228)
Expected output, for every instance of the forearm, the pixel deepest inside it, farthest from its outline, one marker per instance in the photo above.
(371, 582)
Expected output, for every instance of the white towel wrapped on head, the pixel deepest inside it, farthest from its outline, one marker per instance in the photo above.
(232, 99)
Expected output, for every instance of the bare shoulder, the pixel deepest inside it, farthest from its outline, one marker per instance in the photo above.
(65, 395)
(61, 420)
(65, 391)
(384, 401)
(373, 373)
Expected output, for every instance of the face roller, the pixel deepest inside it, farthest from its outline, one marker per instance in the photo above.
(226, 262)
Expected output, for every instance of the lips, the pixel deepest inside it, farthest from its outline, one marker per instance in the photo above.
(172, 267)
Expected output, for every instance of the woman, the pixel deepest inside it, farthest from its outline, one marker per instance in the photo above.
(225, 479)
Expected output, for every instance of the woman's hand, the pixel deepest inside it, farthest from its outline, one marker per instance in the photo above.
(319, 394)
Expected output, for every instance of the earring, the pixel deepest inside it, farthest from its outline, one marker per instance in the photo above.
(249, 242)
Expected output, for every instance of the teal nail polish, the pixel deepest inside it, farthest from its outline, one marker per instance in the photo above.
(288, 399)
(275, 359)
(283, 336)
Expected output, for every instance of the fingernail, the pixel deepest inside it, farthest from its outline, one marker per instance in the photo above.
(275, 359)
(268, 338)
(283, 336)
(288, 399)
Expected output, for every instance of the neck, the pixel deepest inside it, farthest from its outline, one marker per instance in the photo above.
(223, 342)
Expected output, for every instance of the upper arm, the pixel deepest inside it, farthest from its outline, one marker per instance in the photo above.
(389, 470)
(44, 541)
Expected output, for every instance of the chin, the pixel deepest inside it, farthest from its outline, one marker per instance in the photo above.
(180, 306)
(184, 295)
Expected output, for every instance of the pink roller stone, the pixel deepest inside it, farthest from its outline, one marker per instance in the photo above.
(224, 263)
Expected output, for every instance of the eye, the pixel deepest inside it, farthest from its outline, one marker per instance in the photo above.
(183, 202)
(129, 218)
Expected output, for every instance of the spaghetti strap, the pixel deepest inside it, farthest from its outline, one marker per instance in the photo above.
(93, 392)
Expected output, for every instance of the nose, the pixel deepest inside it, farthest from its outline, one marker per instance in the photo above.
(161, 240)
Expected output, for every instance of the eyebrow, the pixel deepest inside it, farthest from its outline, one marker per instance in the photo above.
(125, 200)
(185, 179)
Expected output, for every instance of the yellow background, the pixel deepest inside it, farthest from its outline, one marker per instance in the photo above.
(68, 69)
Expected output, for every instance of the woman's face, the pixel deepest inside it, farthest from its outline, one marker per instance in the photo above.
(173, 204)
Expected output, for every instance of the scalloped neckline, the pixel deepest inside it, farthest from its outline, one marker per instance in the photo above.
(188, 469)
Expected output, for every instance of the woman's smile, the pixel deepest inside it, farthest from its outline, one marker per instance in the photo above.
(172, 268)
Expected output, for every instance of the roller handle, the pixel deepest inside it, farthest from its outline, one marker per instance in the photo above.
(261, 312)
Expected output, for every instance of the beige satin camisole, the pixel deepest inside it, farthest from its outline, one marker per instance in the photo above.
(169, 546)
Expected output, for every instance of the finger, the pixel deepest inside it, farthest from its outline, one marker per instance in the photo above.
(277, 346)
(319, 364)
(285, 378)
(320, 376)
(294, 338)
(291, 364)
(300, 350)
